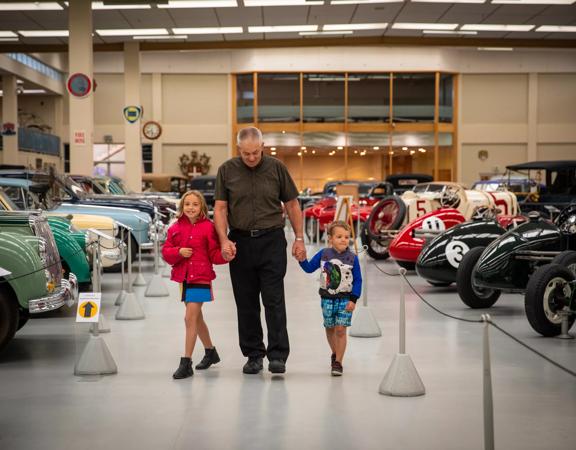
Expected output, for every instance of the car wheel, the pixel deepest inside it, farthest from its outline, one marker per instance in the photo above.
(566, 259)
(439, 283)
(473, 296)
(376, 249)
(8, 318)
(23, 317)
(408, 265)
(387, 214)
(547, 294)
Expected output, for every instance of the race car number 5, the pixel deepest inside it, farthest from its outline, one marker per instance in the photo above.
(455, 251)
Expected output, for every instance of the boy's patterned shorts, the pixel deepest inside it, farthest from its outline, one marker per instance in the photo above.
(334, 312)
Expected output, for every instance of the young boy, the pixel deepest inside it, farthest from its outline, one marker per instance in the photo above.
(340, 287)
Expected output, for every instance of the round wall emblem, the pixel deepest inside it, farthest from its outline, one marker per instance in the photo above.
(79, 85)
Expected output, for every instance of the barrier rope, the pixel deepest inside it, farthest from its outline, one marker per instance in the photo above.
(491, 322)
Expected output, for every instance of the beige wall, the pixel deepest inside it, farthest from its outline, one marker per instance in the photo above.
(557, 99)
(499, 156)
(556, 151)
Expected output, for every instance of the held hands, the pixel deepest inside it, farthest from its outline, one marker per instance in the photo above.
(351, 306)
(228, 250)
(299, 251)
(185, 252)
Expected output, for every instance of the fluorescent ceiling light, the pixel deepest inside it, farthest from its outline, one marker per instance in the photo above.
(8, 39)
(8, 34)
(557, 28)
(133, 32)
(424, 26)
(33, 6)
(182, 36)
(44, 33)
(533, 2)
(200, 4)
(320, 33)
(449, 32)
(495, 49)
(360, 2)
(282, 2)
(355, 26)
(101, 5)
(449, 1)
(283, 29)
(494, 27)
(28, 91)
(208, 30)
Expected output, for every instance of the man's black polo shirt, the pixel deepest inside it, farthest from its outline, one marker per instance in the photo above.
(254, 195)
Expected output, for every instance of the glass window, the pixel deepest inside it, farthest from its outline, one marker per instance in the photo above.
(368, 97)
(446, 98)
(147, 157)
(323, 97)
(279, 97)
(413, 97)
(245, 98)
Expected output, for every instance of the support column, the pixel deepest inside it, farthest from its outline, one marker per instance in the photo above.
(58, 125)
(132, 141)
(532, 147)
(10, 115)
(81, 108)
(158, 144)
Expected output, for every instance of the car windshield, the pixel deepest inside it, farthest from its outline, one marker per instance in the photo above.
(7, 204)
(428, 187)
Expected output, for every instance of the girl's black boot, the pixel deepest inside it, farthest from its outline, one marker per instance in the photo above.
(184, 370)
(210, 357)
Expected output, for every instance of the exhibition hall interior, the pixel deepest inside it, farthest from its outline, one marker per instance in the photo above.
(376, 200)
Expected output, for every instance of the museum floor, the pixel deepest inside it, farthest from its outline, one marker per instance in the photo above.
(44, 406)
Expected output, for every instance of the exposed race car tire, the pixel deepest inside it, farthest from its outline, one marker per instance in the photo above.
(387, 214)
(376, 250)
(408, 265)
(566, 259)
(8, 318)
(547, 293)
(473, 296)
(439, 283)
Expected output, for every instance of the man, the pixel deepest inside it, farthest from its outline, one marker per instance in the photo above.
(250, 190)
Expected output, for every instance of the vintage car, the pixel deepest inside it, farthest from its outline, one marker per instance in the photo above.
(551, 298)
(438, 261)
(206, 184)
(555, 187)
(142, 226)
(165, 183)
(507, 263)
(403, 182)
(31, 281)
(393, 212)
(319, 215)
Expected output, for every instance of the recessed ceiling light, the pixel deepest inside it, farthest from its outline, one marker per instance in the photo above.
(320, 33)
(208, 30)
(44, 33)
(340, 147)
(101, 5)
(180, 36)
(557, 28)
(457, 32)
(273, 148)
(299, 153)
(375, 148)
(533, 2)
(302, 148)
(32, 6)
(404, 148)
(133, 32)
(200, 4)
(282, 28)
(355, 26)
(495, 27)
(282, 2)
(424, 26)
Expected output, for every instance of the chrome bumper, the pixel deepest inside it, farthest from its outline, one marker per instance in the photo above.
(66, 293)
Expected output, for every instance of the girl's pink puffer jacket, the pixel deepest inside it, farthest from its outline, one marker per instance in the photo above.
(202, 239)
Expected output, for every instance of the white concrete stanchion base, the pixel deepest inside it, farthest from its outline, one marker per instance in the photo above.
(167, 271)
(364, 323)
(130, 309)
(139, 280)
(96, 359)
(120, 298)
(103, 326)
(402, 379)
(157, 287)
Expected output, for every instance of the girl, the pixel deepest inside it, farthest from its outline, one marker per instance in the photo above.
(191, 248)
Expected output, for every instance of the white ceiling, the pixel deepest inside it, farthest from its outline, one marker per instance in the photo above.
(406, 11)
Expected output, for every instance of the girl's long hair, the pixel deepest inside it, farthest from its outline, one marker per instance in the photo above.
(199, 196)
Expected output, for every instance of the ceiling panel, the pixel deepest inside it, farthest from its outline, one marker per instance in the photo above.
(109, 19)
(235, 17)
(331, 14)
(286, 15)
(377, 13)
(49, 20)
(186, 18)
(414, 12)
(17, 21)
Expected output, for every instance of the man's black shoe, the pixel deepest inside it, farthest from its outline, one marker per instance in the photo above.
(277, 366)
(253, 366)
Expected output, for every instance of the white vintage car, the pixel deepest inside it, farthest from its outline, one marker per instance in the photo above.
(391, 213)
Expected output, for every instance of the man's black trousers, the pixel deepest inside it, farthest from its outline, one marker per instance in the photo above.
(258, 270)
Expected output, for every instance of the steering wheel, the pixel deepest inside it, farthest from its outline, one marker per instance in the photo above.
(532, 197)
(450, 197)
(485, 213)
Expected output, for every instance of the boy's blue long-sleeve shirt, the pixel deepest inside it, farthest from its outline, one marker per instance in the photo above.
(341, 275)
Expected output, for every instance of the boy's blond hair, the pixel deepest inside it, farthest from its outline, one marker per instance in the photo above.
(338, 224)
(200, 197)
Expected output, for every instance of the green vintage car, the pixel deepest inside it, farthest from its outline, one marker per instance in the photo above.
(71, 243)
(31, 279)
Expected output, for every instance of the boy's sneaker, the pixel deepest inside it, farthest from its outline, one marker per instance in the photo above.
(337, 369)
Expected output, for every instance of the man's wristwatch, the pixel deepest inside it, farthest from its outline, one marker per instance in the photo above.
(299, 239)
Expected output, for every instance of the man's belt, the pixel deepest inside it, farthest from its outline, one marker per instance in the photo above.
(253, 233)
